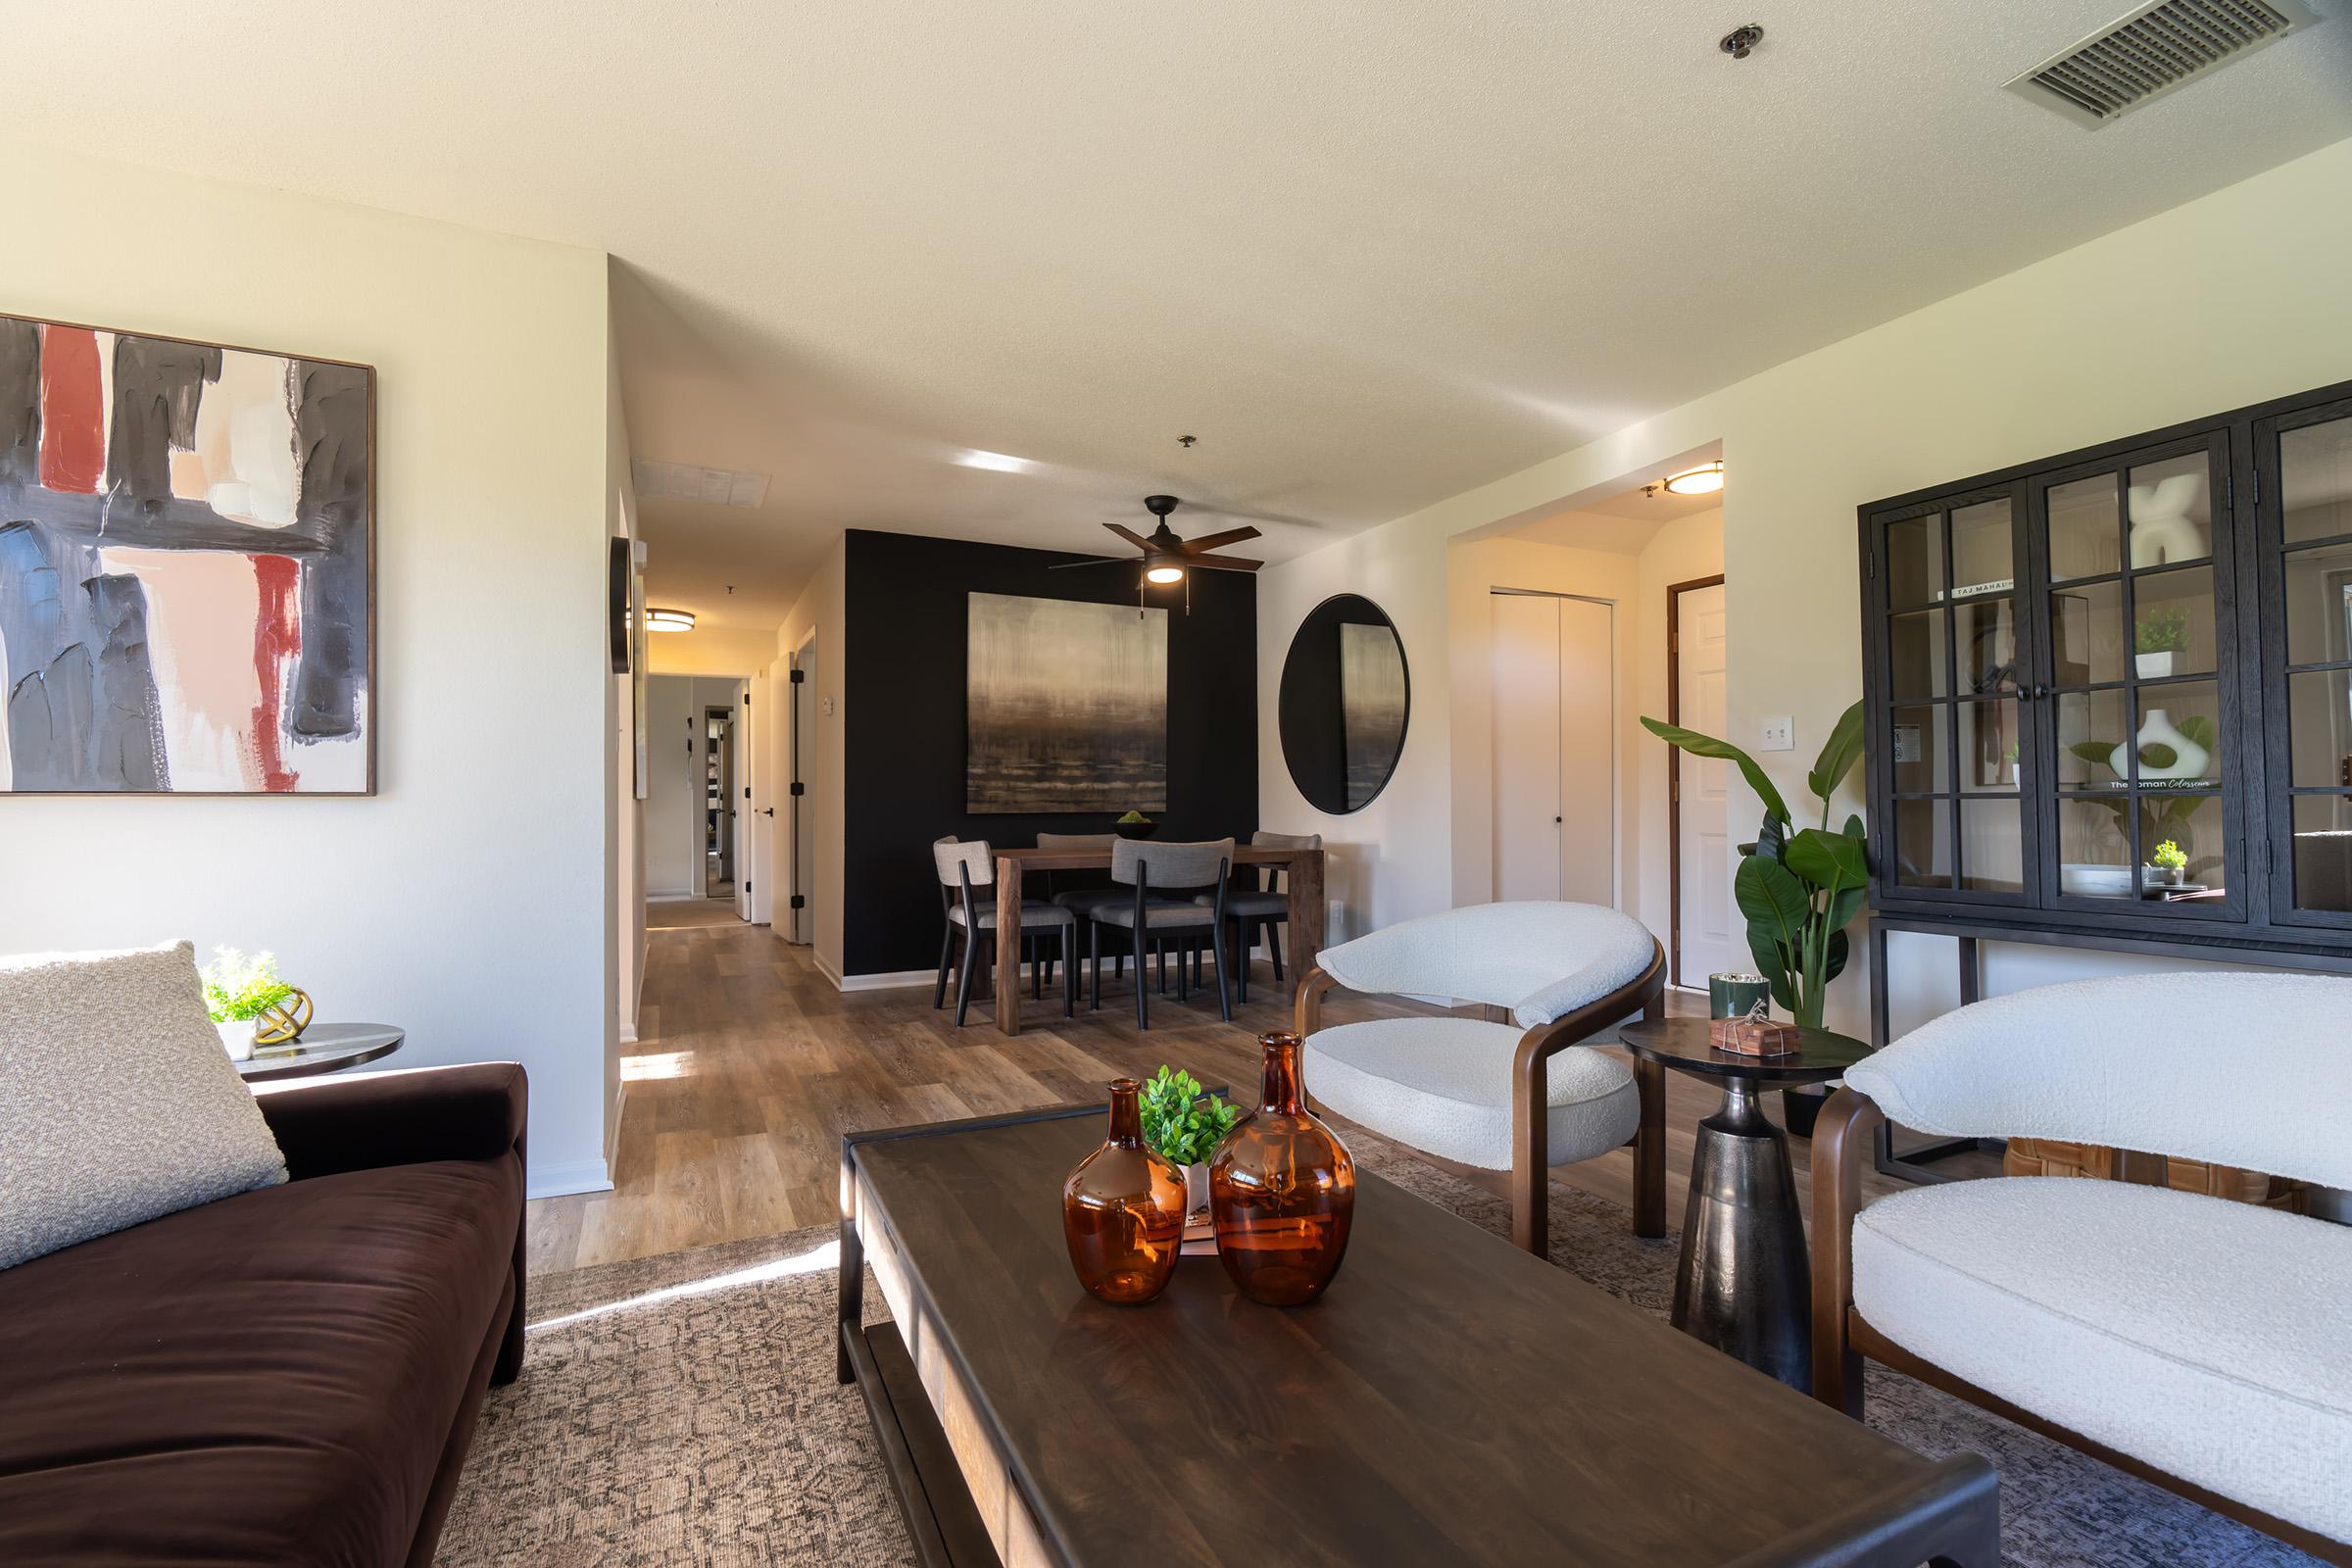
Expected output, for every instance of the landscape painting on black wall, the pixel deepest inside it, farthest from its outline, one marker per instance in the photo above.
(1068, 707)
(185, 548)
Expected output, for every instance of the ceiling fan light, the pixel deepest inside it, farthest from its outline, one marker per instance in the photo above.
(668, 619)
(1704, 480)
(1163, 573)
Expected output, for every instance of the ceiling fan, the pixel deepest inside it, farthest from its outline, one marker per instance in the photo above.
(1166, 557)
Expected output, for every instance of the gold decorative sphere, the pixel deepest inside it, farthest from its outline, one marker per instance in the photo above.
(284, 1020)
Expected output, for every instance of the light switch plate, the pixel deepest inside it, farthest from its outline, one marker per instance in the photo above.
(1778, 733)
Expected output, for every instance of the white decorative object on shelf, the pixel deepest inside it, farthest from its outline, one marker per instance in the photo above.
(2153, 667)
(236, 1038)
(2161, 529)
(2189, 757)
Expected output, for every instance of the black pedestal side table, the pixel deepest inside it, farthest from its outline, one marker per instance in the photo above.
(1744, 1285)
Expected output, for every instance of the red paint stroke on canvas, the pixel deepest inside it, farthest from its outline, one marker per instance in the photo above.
(276, 639)
(73, 411)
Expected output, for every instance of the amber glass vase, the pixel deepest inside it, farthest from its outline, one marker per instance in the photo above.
(1282, 1191)
(1122, 1209)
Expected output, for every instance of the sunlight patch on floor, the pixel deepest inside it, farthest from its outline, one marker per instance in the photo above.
(656, 1064)
(811, 1261)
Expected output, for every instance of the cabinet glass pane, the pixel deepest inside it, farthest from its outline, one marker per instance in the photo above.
(1992, 846)
(1988, 741)
(2091, 725)
(1915, 560)
(1983, 554)
(1986, 629)
(2192, 825)
(2084, 532)
(2086, 634)
(2171, 616)
(2319, 605)
(2094, 847)
(1923, 844)
(1918, 749)
(2315, 486)
(2319, 727)
(2180, 736)
(2172, 511)
(1915, 656)
(2323, 852)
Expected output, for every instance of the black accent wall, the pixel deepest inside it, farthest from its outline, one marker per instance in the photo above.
(904, 721)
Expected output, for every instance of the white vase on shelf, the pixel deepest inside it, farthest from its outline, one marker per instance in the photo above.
(2161, 529)
(2189, 757)
(236, 1038)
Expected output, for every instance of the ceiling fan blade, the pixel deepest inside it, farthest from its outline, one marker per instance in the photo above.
(1098, 560)
(1211, 541)
(1130, 535)
(1223, 562)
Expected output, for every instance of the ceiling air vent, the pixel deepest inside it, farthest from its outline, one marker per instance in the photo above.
(2152, 51)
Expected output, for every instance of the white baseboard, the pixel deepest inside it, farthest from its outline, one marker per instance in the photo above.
(890, 980)
(579, 1176)
(830, 973)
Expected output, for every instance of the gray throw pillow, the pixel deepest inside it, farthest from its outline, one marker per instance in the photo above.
(117, 1100)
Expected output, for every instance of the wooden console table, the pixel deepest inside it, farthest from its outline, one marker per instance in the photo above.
(1303, 882)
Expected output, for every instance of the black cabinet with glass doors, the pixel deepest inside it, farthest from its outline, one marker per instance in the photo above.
(2109, 694)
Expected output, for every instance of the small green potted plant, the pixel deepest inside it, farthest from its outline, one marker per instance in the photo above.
(2167, 864)
(2159, 641)
(1185, 1125)
(1135, 825)
(237, 991)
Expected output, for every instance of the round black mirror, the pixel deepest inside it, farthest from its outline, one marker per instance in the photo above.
(1344, 701)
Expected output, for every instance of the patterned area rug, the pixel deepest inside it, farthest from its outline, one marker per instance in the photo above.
(681, 1410)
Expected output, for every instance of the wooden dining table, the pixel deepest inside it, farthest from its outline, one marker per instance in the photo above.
(1303, 881)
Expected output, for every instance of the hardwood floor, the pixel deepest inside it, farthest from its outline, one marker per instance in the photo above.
(750, 1067)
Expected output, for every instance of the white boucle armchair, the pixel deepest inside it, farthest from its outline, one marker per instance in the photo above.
(2192, 1340)
(1499, 1095)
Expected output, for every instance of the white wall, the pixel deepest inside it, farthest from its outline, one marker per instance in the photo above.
(713, 651)
(467, 901)
(2225, 301)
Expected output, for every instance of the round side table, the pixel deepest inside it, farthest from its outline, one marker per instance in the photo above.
(322, 1047)
(1744, 1285)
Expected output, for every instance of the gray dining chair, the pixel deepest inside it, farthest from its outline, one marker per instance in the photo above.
(1253, 909)
(1078, 891)
(1162, 879)
(967, 899)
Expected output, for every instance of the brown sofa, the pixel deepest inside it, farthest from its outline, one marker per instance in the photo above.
(291, 1376)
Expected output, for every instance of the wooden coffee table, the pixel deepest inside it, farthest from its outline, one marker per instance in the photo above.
(1452, 1399)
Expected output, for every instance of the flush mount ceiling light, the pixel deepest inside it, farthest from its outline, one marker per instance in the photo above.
(1164, 573)
(668, 619)
(995, 462)
(1704, 480)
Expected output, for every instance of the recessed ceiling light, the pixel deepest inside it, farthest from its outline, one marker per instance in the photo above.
(995, 462)
(668, 619)
(1704, 480)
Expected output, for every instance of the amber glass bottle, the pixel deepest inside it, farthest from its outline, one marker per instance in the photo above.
(1122, 1209)
(1282, 1191)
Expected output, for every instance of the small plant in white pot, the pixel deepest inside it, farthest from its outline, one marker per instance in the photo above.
(237, 991)
(2160, 642)
(2168, 865)
(1185, 1125)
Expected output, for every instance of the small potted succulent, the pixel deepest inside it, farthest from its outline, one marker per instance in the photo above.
(2167, 864)
(237, 991)
(1135, 825)
(2159, 642)
(1185, 1125)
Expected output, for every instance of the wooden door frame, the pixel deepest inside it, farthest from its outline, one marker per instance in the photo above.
(1673, 770)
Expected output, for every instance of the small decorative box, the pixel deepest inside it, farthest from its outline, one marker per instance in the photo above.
(1754, 1035)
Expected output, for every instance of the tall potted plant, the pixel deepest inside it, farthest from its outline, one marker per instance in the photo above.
(1799, 887)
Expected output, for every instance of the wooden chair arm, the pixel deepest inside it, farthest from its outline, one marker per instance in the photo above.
(1311, 992)
(1531, 1127)
(1843, 1144)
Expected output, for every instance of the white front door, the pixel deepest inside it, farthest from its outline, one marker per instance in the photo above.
(1712, 935)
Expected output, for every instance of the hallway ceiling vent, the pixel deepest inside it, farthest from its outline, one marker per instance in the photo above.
(687, 481)
(2152, 51)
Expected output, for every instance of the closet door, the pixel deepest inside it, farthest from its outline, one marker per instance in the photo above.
(1527, 745)
(1588, 800)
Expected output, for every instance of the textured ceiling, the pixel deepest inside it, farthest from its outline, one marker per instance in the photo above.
(1370, 255)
